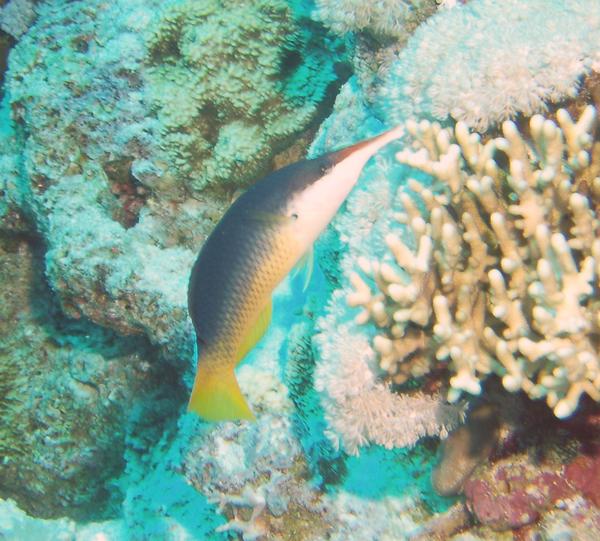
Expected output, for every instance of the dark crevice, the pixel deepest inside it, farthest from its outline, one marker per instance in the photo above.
(6, 44)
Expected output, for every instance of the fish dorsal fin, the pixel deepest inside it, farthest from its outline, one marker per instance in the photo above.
(307, 262)
(256, 332)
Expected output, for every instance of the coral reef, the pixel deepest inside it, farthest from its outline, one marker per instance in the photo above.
(255, 472)
(550, 478)
(280, 476)
(17, 16)
(233, 83)
(389, 18)
(505, 264)
(126, 129)
(493, 60)
(104, 170)
(67, 393)
(74, 119)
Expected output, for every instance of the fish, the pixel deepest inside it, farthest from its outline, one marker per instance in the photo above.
(261, 237)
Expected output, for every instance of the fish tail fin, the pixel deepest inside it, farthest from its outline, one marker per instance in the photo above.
(216, 396)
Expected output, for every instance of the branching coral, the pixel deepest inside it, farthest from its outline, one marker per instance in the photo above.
(504, 277)
(251, 529)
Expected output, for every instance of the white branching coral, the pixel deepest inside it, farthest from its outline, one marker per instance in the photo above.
(359, 407)
(505, 275)
(251, 529)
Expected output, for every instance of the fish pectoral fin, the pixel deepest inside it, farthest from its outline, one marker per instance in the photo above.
(256, 332)
(270, 218)
(216, 396)
(307, 262)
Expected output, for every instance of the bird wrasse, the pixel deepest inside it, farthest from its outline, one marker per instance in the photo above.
(258, 241)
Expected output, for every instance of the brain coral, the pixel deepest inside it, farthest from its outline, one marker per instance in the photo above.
(232, 81)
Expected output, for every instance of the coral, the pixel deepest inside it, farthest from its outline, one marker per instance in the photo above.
(233, 83)
(132, 127)
(251, 529)
(441, 527)
(17, 16)
(264, 474)
(11, 216)
(514, 496)
(584, 474)
(257, 477)
(6, 42)
(505, 265)
(67, 390)
(492, 60)
(389, 18)
(326, 463)
(547, 477)
(574, 518)
(77, 111)
(256, 472)
(359, 408)
(539, 466)
(104, 173)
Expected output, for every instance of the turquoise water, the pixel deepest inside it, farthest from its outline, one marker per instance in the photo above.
(434, 376)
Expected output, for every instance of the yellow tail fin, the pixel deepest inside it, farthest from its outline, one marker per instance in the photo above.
(216, 396)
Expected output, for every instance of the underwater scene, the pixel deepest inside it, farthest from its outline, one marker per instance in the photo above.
(299, 270)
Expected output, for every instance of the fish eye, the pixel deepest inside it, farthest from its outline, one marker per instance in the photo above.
(294, 216)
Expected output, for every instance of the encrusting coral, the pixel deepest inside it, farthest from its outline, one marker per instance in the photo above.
(16, 17)
(72, 397)
(503, 277)
(234, 82)
(389, 18)
(122, 114)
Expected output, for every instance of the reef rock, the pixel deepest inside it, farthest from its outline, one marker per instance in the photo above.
(124, 113)
(70, 394)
